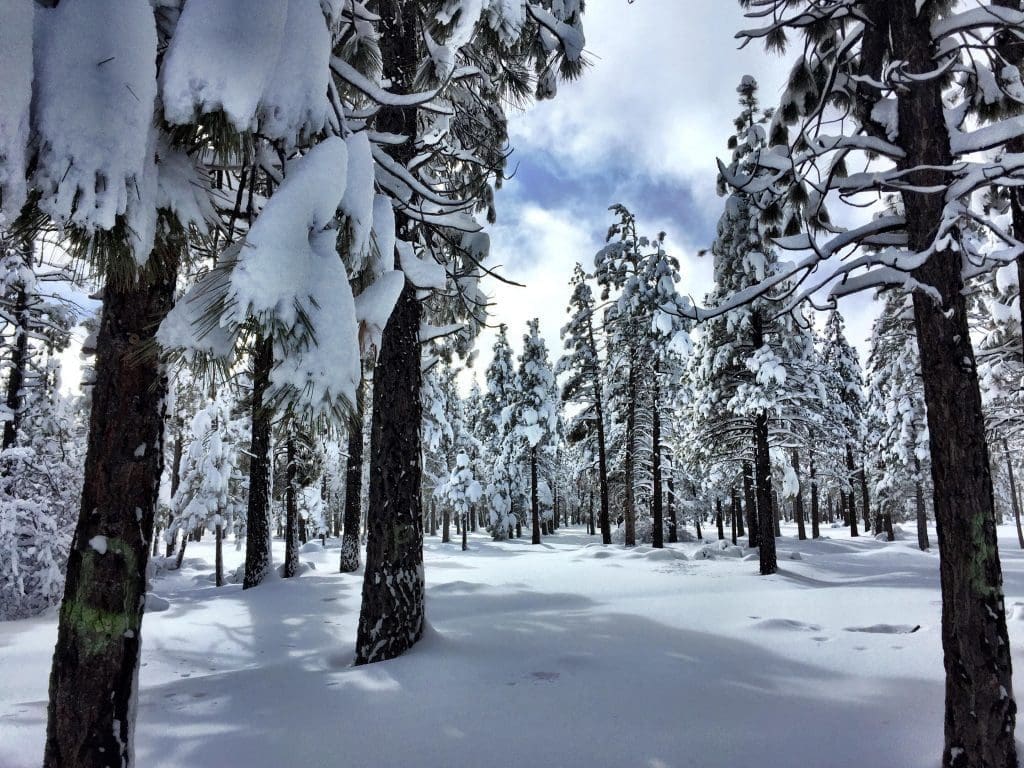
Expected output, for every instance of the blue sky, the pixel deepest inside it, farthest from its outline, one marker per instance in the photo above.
(643, 127)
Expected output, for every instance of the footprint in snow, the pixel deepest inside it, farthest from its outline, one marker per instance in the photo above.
(791, 625)
(886, 629)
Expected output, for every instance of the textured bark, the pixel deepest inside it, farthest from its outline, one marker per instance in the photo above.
(980, 709)
(93, 682)
(257, 518)
(392, 615)
(798, 502)
(922, 514)
(349, 560)
(719, 521)
(656, 500)
(446, 526)
(291, 517)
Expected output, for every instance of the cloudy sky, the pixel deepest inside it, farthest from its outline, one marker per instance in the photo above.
(642, 127)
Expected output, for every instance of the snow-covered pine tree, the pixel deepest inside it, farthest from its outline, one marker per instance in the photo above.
(584, 384)
(887, 65)
(896, 415)
(535, 410)
(495, 435)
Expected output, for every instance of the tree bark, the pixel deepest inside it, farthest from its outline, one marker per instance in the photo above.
(851, 511)
(673, 522)
(630, 459)
(980, 708)
(719, 521)
(658, 535)
(602, 454)
(465, 525)
(218, 568)
(349, 560)
(798, 501)
(392, 615)
(257, 519)
(534, 500)
(750, 506)
(446, 526)
(19, 357)
(94, 678)
(291, 521)
(815, 510)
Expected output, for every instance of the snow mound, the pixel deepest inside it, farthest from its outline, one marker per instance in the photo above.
(886, 629)
(787, 625)
(667, 554)
(1016, 613)
(311, 546)
(795, 556)
(156, 604)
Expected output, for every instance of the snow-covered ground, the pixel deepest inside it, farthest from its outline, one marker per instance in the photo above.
(565, 654)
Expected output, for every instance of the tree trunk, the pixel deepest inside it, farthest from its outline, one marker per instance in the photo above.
(763, 480)
(258, 558)
(980, 708)
(94, 678)
(179, 440)
(19, 357)
(392, 615)
(630, 460)
(673, 522)
(446, 526)
(1013, 491)
(734, 514)
(349, 560)
(291, 520)
(798, 501)
(750, 506)
(534, 500)
(465, 525)
(815, 511)
(602, 455)
(865, 502)
(656, 501)
(718, 518)
(851, 511)
(219, 556)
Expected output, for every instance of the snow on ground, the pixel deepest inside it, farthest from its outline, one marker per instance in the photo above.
(565, 654)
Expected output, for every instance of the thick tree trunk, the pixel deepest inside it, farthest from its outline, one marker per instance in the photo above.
(446, 526)
(349, 560)
(93, 682)
(258, 559)
(392, 615)
(656, 500)
(291, 522)
(798, 501)
(980, 708)
(750, 506)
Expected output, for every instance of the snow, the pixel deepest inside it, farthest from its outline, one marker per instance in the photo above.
(221, 57)
(95, 93)
(288, 273)
(99, 543)
(16, 20)
(525, 647)
(420, 272)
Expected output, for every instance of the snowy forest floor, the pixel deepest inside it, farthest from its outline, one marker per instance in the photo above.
(565, 654)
